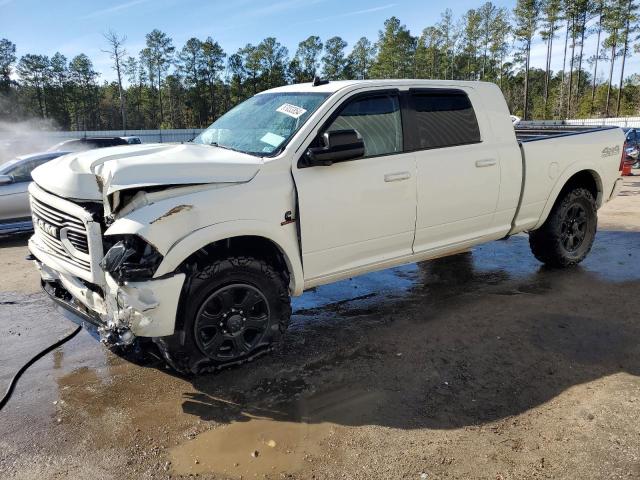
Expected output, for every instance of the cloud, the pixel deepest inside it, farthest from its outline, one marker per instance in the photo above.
(283, 5)
(352, 14)
(115, 8)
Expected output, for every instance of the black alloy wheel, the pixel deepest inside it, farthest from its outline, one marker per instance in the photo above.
(231, 321)
(574, 228)
(232, 310)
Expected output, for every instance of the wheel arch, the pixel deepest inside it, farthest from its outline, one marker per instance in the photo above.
(586, 178)
(246, 237)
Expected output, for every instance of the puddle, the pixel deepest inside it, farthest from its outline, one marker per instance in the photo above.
(261, 446)
(358, 292)
(614, 257)
(281, 447)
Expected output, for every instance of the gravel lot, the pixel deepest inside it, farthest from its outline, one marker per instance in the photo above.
(483, 365)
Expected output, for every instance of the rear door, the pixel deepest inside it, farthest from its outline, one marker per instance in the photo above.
(359, 212)
(458, 172)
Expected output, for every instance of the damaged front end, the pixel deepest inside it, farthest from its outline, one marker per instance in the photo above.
(120, 312)
(103, 281)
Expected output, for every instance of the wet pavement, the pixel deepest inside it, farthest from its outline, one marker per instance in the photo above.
(481, 365)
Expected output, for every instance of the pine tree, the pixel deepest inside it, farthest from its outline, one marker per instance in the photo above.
(487, 15)
(526, 13)
(428, 47)
(396, 49)
(361, 58)
(471, 42)
(599, 12)
(159, 55)
(334, 62)
(306, 60)
(34, 72)
(212, 64)
(613, 24)
(7, 59)
(630, 28)
(551, 16)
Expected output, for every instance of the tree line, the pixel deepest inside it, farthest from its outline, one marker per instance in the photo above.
(168, 87)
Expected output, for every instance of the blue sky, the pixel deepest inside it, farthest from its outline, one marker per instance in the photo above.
(76, 26)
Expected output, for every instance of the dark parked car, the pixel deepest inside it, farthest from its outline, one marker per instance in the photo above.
(88, 143)
(632, 137)
(632, 149)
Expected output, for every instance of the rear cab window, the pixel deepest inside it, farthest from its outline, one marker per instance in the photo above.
(441, 118)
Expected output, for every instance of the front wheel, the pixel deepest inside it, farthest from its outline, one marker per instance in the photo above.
(566, 237)
(232, 311)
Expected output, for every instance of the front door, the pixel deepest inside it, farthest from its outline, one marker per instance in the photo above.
(359, 212)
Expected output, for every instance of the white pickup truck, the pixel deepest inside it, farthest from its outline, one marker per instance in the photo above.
(199, 246)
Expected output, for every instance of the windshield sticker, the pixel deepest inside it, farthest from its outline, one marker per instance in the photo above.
(272, 139)
(291, 110)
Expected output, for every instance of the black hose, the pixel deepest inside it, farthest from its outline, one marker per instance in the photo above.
(33, 360)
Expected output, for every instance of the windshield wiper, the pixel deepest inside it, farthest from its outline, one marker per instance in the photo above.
(216, 144)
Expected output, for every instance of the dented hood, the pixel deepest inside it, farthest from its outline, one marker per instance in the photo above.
(95, 174)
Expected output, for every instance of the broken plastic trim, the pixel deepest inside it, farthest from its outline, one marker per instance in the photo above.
(131, 259)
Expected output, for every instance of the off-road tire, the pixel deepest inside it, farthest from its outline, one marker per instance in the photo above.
(184, 353)
(549, 242)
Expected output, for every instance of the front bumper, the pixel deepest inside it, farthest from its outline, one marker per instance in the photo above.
(68, 248)
(118, 312)
(70, 310)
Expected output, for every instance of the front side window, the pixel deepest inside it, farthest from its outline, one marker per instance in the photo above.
(444, 119)
(263, 124)
(20, 171)
(377, 120)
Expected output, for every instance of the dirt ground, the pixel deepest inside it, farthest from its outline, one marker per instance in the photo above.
(482, 365)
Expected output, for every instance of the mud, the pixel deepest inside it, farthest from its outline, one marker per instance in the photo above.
(481, 365)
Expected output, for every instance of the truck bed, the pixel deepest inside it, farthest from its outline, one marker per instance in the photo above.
(547, 164)
(533, 132)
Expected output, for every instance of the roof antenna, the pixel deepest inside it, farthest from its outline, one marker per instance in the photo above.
(317, 81)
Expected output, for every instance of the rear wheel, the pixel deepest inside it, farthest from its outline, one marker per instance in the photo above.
(566, 237)
(233, 310)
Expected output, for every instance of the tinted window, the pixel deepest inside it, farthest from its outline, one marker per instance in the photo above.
(377, 120)
(444, 119)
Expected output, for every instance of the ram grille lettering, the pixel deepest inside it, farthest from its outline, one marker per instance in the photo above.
(45, 227)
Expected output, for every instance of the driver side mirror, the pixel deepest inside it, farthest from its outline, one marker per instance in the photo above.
(339, 146)
(6, 179)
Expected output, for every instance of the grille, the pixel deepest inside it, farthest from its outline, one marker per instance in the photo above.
(55, 227)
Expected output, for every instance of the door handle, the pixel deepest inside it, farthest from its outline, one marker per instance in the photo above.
(486, 163)
(397, 177)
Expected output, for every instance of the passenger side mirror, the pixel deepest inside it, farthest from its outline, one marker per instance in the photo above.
(339, 146)
(6, 179)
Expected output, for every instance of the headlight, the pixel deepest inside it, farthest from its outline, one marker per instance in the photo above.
(130, 258)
